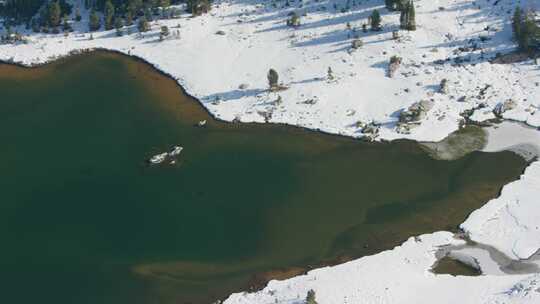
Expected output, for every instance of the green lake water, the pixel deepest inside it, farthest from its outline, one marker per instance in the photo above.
(83, 218)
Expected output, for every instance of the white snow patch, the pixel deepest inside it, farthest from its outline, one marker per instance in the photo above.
(510, 222)
(454, 44)
(401, 275)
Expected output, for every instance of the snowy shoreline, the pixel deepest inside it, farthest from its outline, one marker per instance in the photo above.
(212, 67)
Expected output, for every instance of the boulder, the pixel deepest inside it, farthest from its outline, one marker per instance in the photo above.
(444, 86)
(502, 107)
(417, 111)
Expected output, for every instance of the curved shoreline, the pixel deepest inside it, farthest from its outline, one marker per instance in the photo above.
(257, 282)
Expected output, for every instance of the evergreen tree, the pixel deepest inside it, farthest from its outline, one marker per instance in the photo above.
(273, 78)
(411, 17)
(404, 19)
(54, 12)
(95, 22)
(400, 5)
(129, 18)
(143, 25)
(407, 18)
(390, 4)
(109, 15)
(198, 7)
(375, 21)
(65, 24)
(516, 23)
(78, 14)
(118, 25)
(164, 3)
(310, 298)
(526, 31)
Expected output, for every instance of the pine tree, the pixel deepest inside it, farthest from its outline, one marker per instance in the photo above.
(310, 298)
(129, 18)
(143, 25)
(197, 7)
(54, 12)
(118, 25)
(526, 31)
(95, 21)
(273, 78)
(109, 15)
(375, 21)
(390, 4)
(164, 3)
(404, 19)
(65, 24)
(517, 20)
(411, 17)
(401, 4)
(78, 14)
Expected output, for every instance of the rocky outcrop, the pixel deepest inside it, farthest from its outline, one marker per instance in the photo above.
(410, 118)
(503, 107)
(371, 130)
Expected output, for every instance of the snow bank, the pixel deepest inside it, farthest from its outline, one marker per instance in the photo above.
(515, 137)
(510, 222)
(401, 275)
(454, 43)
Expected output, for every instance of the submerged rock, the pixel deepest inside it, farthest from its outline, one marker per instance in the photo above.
(457, 144)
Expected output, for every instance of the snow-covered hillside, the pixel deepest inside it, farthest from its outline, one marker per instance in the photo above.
(227, 71)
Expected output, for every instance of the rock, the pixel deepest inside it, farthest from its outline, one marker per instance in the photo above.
(220, 32)
(393, 67)
(357, 43)
(403, 128)
(444, 86)
(503, 107)
(416, 111)
(462, 99)
(243, 86)
(371, 130)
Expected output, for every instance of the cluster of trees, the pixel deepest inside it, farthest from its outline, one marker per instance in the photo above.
(408, 15)
(47, 15)
(396, 5)
(20, 11)
(407, 18)
(526, 31)
(118, 13)
(52, 15)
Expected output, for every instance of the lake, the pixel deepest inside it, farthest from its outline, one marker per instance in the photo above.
(85, 219)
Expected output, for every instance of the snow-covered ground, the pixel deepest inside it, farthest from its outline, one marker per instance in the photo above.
(227, 73)
(401, 275)
(455, 41)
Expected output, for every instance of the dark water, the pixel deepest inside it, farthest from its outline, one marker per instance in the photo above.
(84, 220)
(454, 267)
